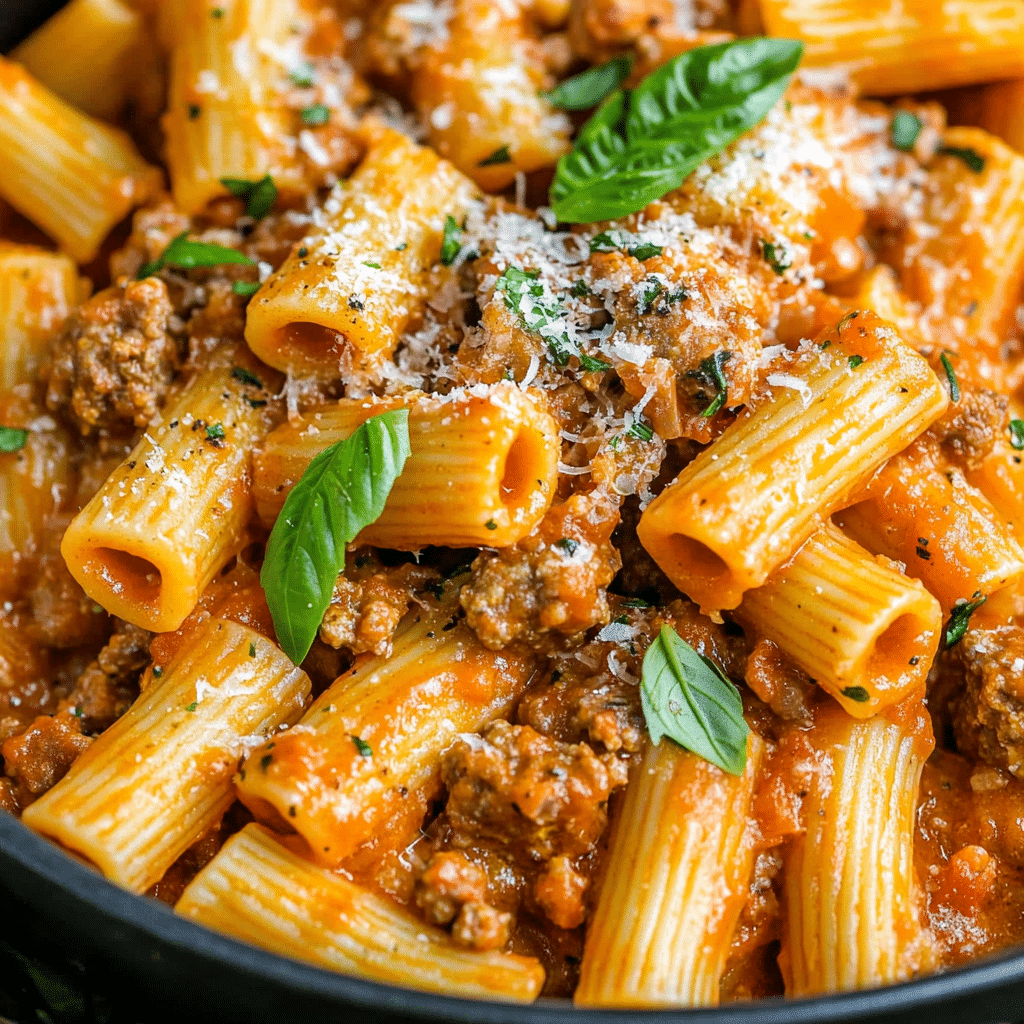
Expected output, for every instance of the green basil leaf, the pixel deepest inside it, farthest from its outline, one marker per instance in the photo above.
(343, 490)
(259, 196)
(959, 617)
(635, 149)
(686, 697)
(590, 87)
(185, 254)
(12, 439)
(710, 374)
(451, 244)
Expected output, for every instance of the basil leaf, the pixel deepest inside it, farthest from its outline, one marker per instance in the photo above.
(686, 697)
(634, 150)
(959, 617)
(904, 130)
(711, 374)
(499, 156)
(1017, 434)
(954, 386)
(12, 439)
(451, 245)
(185, 254)
(259, 196)
(343, 490)
(590, 87)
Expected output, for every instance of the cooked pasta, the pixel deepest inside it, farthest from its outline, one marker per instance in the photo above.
(523, 499)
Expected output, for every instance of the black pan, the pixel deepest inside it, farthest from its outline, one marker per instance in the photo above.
(156, 966)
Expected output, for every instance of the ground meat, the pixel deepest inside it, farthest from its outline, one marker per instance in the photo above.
(779, 683)
(971, 426)
(106, 689)
(114, 359)
(25, 690)
(448, 881)
(481, 926)
(559, 892)
(41, 756)
(363, 614)
(8, 796)
(62, 615)
(988, 716)
(538, 797)
(552, 580)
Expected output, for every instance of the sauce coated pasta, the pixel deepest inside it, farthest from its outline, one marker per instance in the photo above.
(523, 497)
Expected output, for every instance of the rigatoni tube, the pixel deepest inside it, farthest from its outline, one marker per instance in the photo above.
(344, 296)
(679, 869)
(747, 502)
(853, 919)
(259, 891)
(404, 710)
(160, 777)
(71, 175)
(482, 470)
(860, 629)
(177, 508)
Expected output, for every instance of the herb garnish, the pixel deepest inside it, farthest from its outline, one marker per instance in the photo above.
(644, 251)
(240, 373)
(638, 147)
(776, 257)
(362, 746)
(245, 288)
(710, 374)
(641, 430)
(954, 387)
(316, 115)
(854, 361)
(1017, 434)
(904, 130)
(960, 616)
(303, 75)
(343, 490)
(499, 156)
(185, 254)
(12, 439)
(259, 196)
(451, 246)
(857, 693)
(973, 159)
(688, 698)
(588, 88)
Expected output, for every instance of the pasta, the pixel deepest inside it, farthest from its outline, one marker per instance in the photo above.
(523, 499)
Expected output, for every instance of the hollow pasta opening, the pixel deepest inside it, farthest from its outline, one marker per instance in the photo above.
(309, 341)
(890, 657)
(134, 578)
(520, 472)
(699, 559)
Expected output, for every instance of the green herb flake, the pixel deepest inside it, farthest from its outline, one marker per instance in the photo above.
(904, 130)
(579, 289)
(974, 160)
(568, 545)
(635, 602)
(686, 697)
(1017, 434)
(77, 712)
(342, 491)
(363, 747)
(302, 253)
(645, 251)
(12, 439)
(194, 110)
(217, 12)
(259, 196)
(606, 241)
(499, 156)
(303, 75)
(857, 693)
(240, 373)
(215, 432)
(245, 288)
(590, 87)
(491, 524)
(592, 365)
(641, 430)
(959, 618)
(371, 265)
(157, 671)
(639, 146)
(710, 374)
(451, 244)
(192, 706)
(776, 257)
(185, 254)
(854, 361)
(252, 649)
(265, 762)
(316, 115)
(954, 386)
(647, 292)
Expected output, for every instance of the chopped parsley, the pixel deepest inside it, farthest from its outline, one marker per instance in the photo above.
(12, 439)
(904, 130)
(499, 156)
(215, 432)
(265, 762)
(1017, 434)
(252, 649)
(776, 257)
(641, 430)
(316, 115)
(971, 157)
(362, 746)
(157, 671)
(245, 288)
(645, 251)
(303, 75)
(648, 291)
(857, 693)
(854, 361)
(606, 241)
(491, 524)
(371, 264)
(567, 544)
(959, 618)
(954, 387)
(240, 373)
(710, 374)
(259, 196)
(194, 110)
(192, 706)
(451, 245)
(579, 289)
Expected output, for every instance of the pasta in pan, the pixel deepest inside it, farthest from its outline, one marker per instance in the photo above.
(524, 497)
